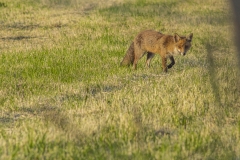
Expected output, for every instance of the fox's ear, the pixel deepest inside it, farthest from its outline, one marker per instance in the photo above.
(176, 37)
(189, 37)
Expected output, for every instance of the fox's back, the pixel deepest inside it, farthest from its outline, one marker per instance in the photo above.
(149, 40)
(148, 37)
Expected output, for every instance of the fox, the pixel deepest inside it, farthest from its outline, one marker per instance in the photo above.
(152, 42)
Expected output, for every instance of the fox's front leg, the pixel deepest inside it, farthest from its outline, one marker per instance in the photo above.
(172, 62)
(164, 64)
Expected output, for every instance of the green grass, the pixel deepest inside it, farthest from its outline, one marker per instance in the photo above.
(63, 94)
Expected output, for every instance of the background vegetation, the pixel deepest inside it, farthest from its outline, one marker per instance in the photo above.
(63, 94)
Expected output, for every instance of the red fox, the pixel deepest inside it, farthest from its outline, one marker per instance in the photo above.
(153, 42)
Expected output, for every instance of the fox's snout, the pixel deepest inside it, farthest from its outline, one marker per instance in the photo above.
(183, 53)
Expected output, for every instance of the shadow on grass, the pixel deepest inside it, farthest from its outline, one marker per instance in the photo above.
(17, 38)
(6, 120)
(164, 10)
(21, 26)
(25, 26)
(53, 115)
(2, 4)
(145, 9)
(212, 72)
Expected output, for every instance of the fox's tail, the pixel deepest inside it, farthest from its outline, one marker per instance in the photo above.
(129, 57)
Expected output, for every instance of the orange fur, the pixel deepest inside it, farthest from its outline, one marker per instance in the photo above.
(153, 42)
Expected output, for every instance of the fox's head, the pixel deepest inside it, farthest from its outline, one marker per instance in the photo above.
(182, 44)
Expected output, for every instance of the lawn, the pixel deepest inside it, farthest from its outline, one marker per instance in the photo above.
(64, 95)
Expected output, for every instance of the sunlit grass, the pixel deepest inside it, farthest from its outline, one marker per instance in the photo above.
(63, 94)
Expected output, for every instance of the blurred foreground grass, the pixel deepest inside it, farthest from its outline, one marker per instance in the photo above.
(64, 96)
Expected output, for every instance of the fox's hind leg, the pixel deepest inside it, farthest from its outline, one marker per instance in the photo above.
(164, 64)
(150, 55)
(136, 59)
(137, 55)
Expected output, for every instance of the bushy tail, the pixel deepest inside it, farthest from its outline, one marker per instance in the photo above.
(129, 57)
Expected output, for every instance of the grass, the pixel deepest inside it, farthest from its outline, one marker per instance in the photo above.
(63, 94)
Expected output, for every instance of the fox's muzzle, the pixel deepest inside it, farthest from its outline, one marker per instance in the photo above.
(182, 53)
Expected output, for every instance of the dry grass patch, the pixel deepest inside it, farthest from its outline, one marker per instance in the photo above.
(63, 94)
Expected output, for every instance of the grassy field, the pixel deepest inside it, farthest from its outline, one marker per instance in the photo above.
(63, 94)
